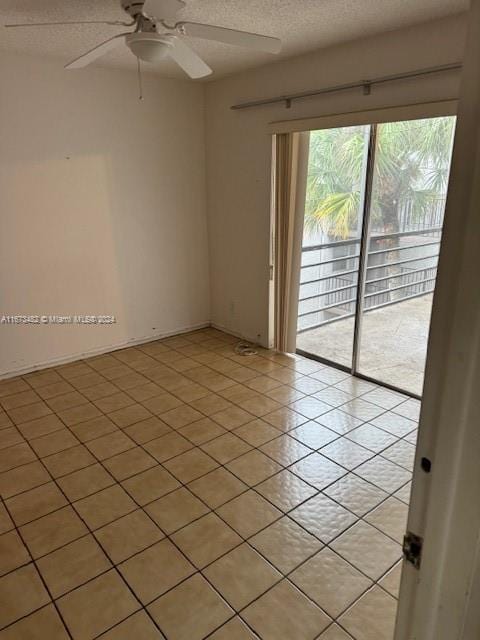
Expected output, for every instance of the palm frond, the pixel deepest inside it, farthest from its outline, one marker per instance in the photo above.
(336, 214)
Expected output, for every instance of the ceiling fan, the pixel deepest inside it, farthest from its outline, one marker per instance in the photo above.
(158, 35)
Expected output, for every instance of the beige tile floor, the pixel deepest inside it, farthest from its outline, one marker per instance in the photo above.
(179, 490)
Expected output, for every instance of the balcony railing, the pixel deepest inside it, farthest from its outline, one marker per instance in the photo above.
(400, 266)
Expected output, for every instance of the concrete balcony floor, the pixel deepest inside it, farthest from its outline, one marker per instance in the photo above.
(393, 343)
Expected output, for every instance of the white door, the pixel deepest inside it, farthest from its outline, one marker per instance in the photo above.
(440, 599)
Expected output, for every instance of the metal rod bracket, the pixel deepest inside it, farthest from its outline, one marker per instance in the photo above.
(367, 88)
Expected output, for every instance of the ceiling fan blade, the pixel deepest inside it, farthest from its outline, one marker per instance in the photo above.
(115, 23)
(163, 9)
(98, 51)
(187, 59)
(232, 36)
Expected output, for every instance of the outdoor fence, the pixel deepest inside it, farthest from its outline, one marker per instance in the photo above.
(400, 266)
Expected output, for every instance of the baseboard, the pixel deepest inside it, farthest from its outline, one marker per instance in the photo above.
(4, 375)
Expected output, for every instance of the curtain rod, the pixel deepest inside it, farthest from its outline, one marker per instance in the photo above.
(366, 85)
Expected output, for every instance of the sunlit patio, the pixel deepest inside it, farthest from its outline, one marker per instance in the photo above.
(393, 342)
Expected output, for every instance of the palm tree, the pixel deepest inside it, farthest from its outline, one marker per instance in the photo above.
(412, 163)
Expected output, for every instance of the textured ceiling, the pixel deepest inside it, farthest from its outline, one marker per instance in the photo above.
(303, 25)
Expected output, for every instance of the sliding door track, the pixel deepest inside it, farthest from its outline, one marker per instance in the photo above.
(360, 376)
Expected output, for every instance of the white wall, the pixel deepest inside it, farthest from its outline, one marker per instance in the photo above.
(102, 207)
(239, 147)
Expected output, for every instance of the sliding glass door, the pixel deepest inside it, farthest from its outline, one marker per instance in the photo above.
(410, 179)
(372, 230)
(334, 207)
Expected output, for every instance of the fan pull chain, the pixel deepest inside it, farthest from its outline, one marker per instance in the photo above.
(140, 87)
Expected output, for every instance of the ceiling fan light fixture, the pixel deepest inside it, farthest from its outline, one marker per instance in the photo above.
(149, 47)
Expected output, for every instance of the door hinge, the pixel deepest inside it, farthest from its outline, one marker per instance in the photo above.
(271, 271)
(412, 549)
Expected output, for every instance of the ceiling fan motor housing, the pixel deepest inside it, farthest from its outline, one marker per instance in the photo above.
(133, 7)
(157, 10)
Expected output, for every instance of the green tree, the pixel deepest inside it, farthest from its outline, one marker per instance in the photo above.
(412, 163)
